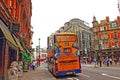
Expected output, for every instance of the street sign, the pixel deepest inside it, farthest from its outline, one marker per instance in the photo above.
(100, 41)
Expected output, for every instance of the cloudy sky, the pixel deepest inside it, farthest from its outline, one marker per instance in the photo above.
(49, 15)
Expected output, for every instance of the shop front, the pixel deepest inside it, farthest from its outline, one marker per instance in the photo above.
(9, 50)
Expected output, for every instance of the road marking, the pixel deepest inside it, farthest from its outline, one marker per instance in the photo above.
(83, 75)
(75, 79)
(72, 79)
(110, 76)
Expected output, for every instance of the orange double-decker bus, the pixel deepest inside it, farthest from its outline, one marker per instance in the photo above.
(63, 57)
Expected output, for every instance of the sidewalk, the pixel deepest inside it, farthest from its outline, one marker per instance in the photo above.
(41, 73)
(103, 66)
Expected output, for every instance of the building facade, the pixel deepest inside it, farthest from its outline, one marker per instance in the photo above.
(15, 32)
(107, 37)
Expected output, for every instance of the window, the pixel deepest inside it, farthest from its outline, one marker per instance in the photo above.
(96, 47)
(104, 28)
(10, 8)
(116, 44)
(107, 45)
(101, 28)
(83, 35)
(67, 51)
(10, 3)
(96, 37)
(105, 36)
(66, 44)
(95, 29)
(113, 24)
(102, 36)
(115, 35)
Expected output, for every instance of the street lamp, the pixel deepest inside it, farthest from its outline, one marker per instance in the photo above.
(100, 52)
(39, 51)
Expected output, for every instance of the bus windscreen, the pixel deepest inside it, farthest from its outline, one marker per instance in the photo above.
(64, 38)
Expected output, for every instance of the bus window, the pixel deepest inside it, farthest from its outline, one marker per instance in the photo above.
(67, 51)
(66, 44)
(58, 51)
(74, 45)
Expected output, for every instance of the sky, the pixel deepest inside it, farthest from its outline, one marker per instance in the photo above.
(49, 15)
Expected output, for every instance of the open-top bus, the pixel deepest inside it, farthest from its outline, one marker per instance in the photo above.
(62, 57)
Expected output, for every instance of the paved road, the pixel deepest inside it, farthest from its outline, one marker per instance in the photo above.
(89, 73)
(104, 73)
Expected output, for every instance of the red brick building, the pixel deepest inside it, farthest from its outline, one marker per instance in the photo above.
(15, 32)
(107, 37)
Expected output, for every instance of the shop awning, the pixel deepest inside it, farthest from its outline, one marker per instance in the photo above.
(28, 51)
(8, 35)
(18, 43)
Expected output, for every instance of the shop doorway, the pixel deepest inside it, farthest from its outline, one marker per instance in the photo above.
(12, 55)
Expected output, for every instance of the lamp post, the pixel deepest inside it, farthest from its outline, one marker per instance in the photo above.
(100, 52)
(39, 51)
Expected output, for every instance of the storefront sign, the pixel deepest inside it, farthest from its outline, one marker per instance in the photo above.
(16, 27)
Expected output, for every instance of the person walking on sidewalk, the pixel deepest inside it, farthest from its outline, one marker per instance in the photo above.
(95, 62)
(115, 60)
(30, 66)
(110, 61)
(34, 64)
(100, 61)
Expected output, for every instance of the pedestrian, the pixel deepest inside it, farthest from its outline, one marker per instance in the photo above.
(34, 64)
(110, 61)
(89, 60)
(37, 62)
(115, 60)
(100, 61)
(30, 66)
(95, 62)
(107, 62)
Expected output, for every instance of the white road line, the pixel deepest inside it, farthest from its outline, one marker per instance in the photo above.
(83, 75)
(72, 79)
(110, 76)
(75, 79)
